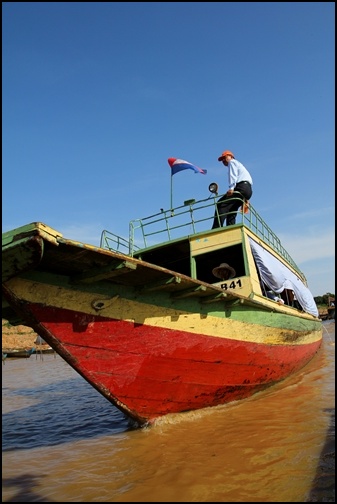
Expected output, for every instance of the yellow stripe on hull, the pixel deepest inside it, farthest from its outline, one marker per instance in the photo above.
(115, 307)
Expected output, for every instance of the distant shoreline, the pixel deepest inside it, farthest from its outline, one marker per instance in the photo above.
(18, 337)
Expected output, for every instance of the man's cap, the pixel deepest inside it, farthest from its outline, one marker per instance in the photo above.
(226, 153)
(219, 270)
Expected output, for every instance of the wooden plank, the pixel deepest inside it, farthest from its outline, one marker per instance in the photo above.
(161, 284)
(214, 298)
(192, 291)
(108, 272)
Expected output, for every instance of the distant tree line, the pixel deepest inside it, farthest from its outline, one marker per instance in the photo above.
(324, 300)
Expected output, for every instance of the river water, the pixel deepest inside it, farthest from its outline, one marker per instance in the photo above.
(63, 442)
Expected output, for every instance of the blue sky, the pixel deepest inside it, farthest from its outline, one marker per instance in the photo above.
(97, 96)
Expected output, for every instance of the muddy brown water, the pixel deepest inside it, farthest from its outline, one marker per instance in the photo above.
(63, 442)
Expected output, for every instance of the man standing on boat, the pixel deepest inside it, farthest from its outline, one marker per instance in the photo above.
(239, 181)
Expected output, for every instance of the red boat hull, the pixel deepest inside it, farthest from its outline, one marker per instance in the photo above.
(149, 371)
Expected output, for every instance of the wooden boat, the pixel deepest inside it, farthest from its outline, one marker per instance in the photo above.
(16, 353)
(45, 350)
(147, 322)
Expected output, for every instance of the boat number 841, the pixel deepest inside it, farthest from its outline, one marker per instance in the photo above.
(233, 285)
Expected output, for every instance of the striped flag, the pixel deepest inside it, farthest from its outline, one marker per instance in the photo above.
(178, 165)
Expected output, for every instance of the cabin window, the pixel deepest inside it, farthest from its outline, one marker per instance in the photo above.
(232, 255)
(174, 256)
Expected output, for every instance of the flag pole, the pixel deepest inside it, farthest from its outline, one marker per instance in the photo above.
(171, 192)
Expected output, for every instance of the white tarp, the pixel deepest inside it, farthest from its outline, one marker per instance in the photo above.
(278, 277)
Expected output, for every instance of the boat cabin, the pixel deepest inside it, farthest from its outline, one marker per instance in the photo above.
(181, 240)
